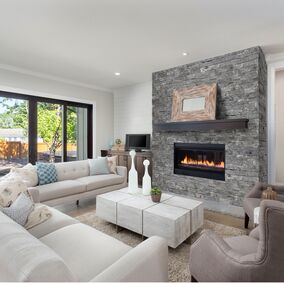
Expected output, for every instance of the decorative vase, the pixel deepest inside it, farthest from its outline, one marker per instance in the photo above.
(269, 193)
(132, 175)
(146, 182)
(156, 197)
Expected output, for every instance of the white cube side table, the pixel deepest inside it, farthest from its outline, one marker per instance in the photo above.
(256, 215)
(194, 206)
(172, 223)
(106, 205)
(130, 212)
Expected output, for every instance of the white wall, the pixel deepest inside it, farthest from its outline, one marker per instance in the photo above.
(279, 126)
(133, 110)
(102, 100)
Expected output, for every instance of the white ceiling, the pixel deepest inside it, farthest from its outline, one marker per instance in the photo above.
(88, 40)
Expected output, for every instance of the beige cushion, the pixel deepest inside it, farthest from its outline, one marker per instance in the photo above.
(112, 163)
(10, 189)
(72, 170)
(25, 258)
(28, 174)
(56, 221)
(40, 214)
(243, 244)
(59, 189)
(99, 181)
(86, 251)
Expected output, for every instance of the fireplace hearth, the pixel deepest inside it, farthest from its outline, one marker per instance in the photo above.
(200, 160)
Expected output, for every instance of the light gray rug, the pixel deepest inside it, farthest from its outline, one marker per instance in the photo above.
(178, 258)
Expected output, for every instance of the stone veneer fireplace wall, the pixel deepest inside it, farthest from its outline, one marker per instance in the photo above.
(241, 80)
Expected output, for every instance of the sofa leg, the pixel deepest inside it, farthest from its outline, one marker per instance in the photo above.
(193, 279)
(77, 202)
(246, 220)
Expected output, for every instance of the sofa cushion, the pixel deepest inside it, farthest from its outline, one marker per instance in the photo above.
(99, 166)
(20, 209)
(46, 173)
(60, 189)
(56, 221)
(85, 250)
(10, 189)
(243, 244)
(99, 181)
(72, 170)
(25, 258)
(28, 174)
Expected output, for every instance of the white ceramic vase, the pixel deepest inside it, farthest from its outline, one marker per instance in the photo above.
(146, 182)
(132, 175)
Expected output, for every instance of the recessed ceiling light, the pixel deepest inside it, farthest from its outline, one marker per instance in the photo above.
(117, 74)
(184, 53)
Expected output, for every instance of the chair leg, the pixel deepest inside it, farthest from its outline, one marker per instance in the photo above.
(77, 202)
(246, 220)
(193, 279)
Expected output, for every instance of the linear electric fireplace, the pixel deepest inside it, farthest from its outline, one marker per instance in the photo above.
(200, 160)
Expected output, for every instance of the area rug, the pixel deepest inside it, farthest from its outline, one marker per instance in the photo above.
(178, 258)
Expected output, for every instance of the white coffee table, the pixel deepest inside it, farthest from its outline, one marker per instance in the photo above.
(175, 218)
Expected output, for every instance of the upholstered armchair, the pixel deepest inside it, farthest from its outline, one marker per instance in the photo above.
(257, 257)
(253, 197)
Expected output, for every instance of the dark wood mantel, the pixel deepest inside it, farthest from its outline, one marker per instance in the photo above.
(204, 125)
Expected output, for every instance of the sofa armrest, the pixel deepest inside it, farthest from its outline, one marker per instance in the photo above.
(147, 262)
(34, 193)
(122, 171)
(256, 191)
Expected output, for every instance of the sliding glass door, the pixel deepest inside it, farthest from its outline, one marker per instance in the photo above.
(49, 132)
(40, 129)
(13, 133)
(77, 121)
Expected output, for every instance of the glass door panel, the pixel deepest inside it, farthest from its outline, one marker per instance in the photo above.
(76, 133)
(13, 133)
(49, 132)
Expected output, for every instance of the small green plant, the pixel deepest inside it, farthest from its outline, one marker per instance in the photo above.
(156, 191)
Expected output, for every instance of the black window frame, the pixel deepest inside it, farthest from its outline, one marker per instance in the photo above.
(32, 122)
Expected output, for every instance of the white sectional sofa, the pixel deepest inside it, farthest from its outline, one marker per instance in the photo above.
(62, 249)
(74, 183)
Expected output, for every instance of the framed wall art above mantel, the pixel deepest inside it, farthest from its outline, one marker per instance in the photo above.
(195, 103)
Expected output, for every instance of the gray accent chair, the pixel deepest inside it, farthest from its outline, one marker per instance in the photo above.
(257, 257)
(253, 198)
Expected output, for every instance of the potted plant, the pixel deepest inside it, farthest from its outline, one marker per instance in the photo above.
(156, 194)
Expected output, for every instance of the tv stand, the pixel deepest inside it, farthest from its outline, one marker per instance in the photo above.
(123, 159)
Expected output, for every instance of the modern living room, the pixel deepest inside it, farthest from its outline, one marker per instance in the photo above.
(141, 141)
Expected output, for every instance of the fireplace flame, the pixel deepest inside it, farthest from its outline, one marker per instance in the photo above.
(205, 163)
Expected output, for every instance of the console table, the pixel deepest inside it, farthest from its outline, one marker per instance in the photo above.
(175, 218)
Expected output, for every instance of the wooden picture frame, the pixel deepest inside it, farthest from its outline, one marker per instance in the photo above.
(195, 103)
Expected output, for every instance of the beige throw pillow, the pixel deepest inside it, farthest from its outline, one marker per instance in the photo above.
(112, 163)
(28, 174)
(40, 214)
(10, 189)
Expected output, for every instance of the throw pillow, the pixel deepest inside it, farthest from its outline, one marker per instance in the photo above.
(112, 163)
(40, 214)
(10, 189)
(46, 173)
(20, 209)
(28, 174)
(99, 166)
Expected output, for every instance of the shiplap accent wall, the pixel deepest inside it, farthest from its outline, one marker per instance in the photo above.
(133, 110)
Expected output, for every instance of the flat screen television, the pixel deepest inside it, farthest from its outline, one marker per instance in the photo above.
(137, 142)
